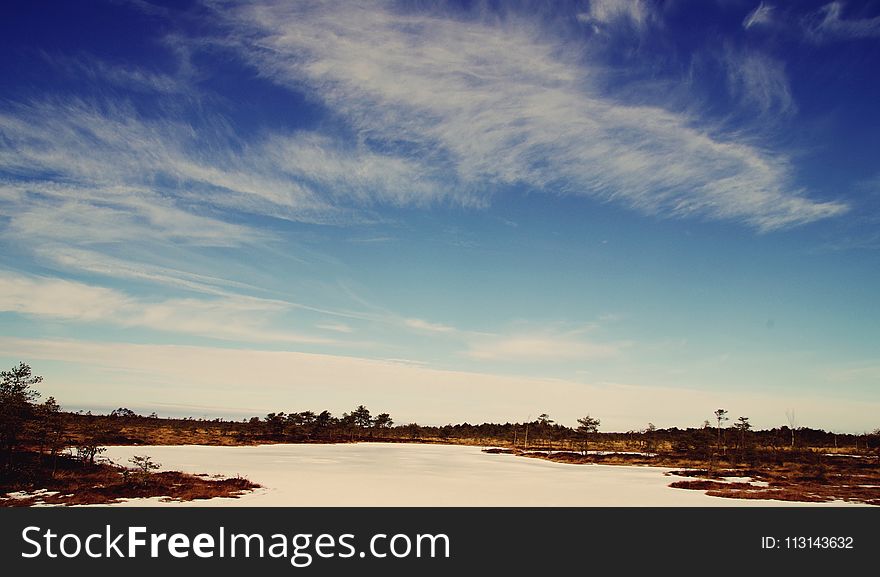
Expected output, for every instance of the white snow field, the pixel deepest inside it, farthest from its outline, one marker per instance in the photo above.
(395, 474)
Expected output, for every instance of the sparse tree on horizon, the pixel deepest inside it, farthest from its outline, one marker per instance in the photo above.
(792, 424)
(720, 417)
(323, 422)
(544, 423)
(587, 426)
(742, 424)
(361, 417)
(383, 421)
(649, 444)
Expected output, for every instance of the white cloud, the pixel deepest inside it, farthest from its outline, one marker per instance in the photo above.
(606, 12)
(425, 326)
(497, 104)
(759, 81)
(85, 172)
(231, 318)
(827, 24)
(508, 105)
(113, 157)
(350, 174)
(101, 263)
(761, 15)
(336, 327)
(59, 298)
(93, 187)
(135, 79)
(85, 215)
(131, 266)
(541, 348)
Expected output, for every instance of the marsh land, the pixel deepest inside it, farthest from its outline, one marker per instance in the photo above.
(51, 457)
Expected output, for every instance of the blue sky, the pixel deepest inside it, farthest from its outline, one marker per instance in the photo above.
(450, 211)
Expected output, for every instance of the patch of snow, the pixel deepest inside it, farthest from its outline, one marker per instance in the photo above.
(742, 481)
(28, 494)
(397, 474)
(548, 452)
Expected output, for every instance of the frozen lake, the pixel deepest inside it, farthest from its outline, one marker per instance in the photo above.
(391, 474)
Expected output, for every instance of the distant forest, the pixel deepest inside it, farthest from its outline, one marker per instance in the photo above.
(43, 429)
(123, 426)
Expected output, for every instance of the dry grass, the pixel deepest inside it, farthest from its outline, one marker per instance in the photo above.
(805, 477)
(104, 484)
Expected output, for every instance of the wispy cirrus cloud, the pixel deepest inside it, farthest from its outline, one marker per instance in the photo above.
(104, 74)
(108, 147)
(525, 343)
(99, 171)
(828, 24)
(336, 327)
(492, 104)
(429, 327)
(601, 13)
(760, 16)
(555, 343)
(759, 82)
(540, 348)
(104, 264)
(41, 211)
(230, 318)
(92, 186)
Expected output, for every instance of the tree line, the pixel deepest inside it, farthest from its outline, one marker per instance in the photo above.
(309, 425)
(26, 424)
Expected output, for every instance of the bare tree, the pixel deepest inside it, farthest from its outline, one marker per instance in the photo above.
(720, 416)
(144, 467)
(792, 424)
(87, 450)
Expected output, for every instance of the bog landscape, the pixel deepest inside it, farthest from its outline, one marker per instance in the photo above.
(55, 458)
(440, 252)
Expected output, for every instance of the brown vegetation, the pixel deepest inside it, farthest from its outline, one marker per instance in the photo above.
(785, 475)
(76, 484)
(804, 472)
(50, 457)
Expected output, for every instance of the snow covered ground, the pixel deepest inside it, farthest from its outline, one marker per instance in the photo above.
(391, 474)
